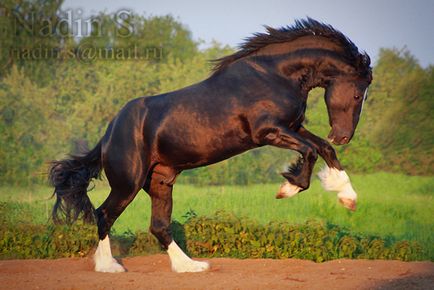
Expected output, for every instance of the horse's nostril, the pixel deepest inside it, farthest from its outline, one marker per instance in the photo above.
(345, 139)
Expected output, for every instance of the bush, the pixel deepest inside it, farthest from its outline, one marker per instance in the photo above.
(20, 239)
(222, 235)
(225, 235)
(25, 241)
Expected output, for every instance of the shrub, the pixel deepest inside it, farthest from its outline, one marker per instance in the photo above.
(25, 241)
(226, 235)
(221, 235)
(20, 239)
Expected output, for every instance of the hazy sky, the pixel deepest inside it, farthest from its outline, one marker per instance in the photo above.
(371, 24)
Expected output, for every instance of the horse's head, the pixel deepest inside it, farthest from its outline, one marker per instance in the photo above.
(344, 96)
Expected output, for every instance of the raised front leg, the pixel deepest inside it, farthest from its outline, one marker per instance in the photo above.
(161, 195)
(298, 179)
(324, 149)
(333, 177)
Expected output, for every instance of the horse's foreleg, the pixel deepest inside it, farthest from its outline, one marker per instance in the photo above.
(161, 195)
(325, 150)
(298, 178)
(333, 177)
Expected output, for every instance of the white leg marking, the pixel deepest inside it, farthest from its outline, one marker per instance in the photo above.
(333, 179)
(104, 261)
(182, 263)
(287, 190)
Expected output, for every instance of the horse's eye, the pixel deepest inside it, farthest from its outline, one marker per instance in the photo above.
(357, 97)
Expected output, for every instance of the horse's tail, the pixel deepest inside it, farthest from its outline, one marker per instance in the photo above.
(70, 179)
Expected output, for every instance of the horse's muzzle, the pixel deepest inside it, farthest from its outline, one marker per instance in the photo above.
(338, 139)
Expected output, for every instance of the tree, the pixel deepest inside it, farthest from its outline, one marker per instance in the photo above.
(399, 113)
(33, 36)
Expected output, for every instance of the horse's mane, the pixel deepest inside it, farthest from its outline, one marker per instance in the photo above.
(303, 27)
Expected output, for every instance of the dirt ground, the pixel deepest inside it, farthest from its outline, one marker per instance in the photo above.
(153, 272)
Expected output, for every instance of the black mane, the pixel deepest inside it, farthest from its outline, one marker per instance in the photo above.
(302, 27)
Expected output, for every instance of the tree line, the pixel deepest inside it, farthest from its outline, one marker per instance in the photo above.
(50, 105)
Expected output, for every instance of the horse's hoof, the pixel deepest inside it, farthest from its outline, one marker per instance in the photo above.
(113, 267)
(287, 190)
(191, 267)
(348, 203)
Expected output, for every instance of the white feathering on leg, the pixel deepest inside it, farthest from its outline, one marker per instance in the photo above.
(288, 190)
(182, 263)
(104, 261)
(333, 179)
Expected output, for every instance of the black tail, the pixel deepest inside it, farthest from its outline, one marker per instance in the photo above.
(70, 179)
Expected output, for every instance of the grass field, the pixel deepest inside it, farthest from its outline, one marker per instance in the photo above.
(389, 205)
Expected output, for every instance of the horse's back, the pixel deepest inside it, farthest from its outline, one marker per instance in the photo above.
(196, 126)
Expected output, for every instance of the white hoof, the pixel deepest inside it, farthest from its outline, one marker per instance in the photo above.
(190, 267)
(288, 190)
(104, 261)
(350, 204)
(112, 267)
(181, 263)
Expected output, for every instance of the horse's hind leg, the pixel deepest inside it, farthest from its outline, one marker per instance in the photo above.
(160, 191)
(125, 183)
(107, 214)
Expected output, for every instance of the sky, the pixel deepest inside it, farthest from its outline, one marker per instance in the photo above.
(370, 24)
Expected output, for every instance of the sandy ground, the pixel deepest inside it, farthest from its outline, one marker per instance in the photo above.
(153, 272)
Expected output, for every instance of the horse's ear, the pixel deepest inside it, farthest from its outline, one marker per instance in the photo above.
(363, 61)
(367, 59)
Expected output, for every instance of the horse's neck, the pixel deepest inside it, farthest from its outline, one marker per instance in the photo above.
(302, 73)
(304, 61)
(299, 76)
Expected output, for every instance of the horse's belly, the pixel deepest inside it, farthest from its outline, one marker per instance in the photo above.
(192, 150)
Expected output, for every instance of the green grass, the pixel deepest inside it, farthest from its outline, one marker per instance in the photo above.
(389, 205)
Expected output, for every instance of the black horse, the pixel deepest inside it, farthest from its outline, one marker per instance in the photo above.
(255, 97)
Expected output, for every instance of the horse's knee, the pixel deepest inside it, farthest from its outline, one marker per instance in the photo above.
(329, 155)
(311, 155)
(326, 150)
